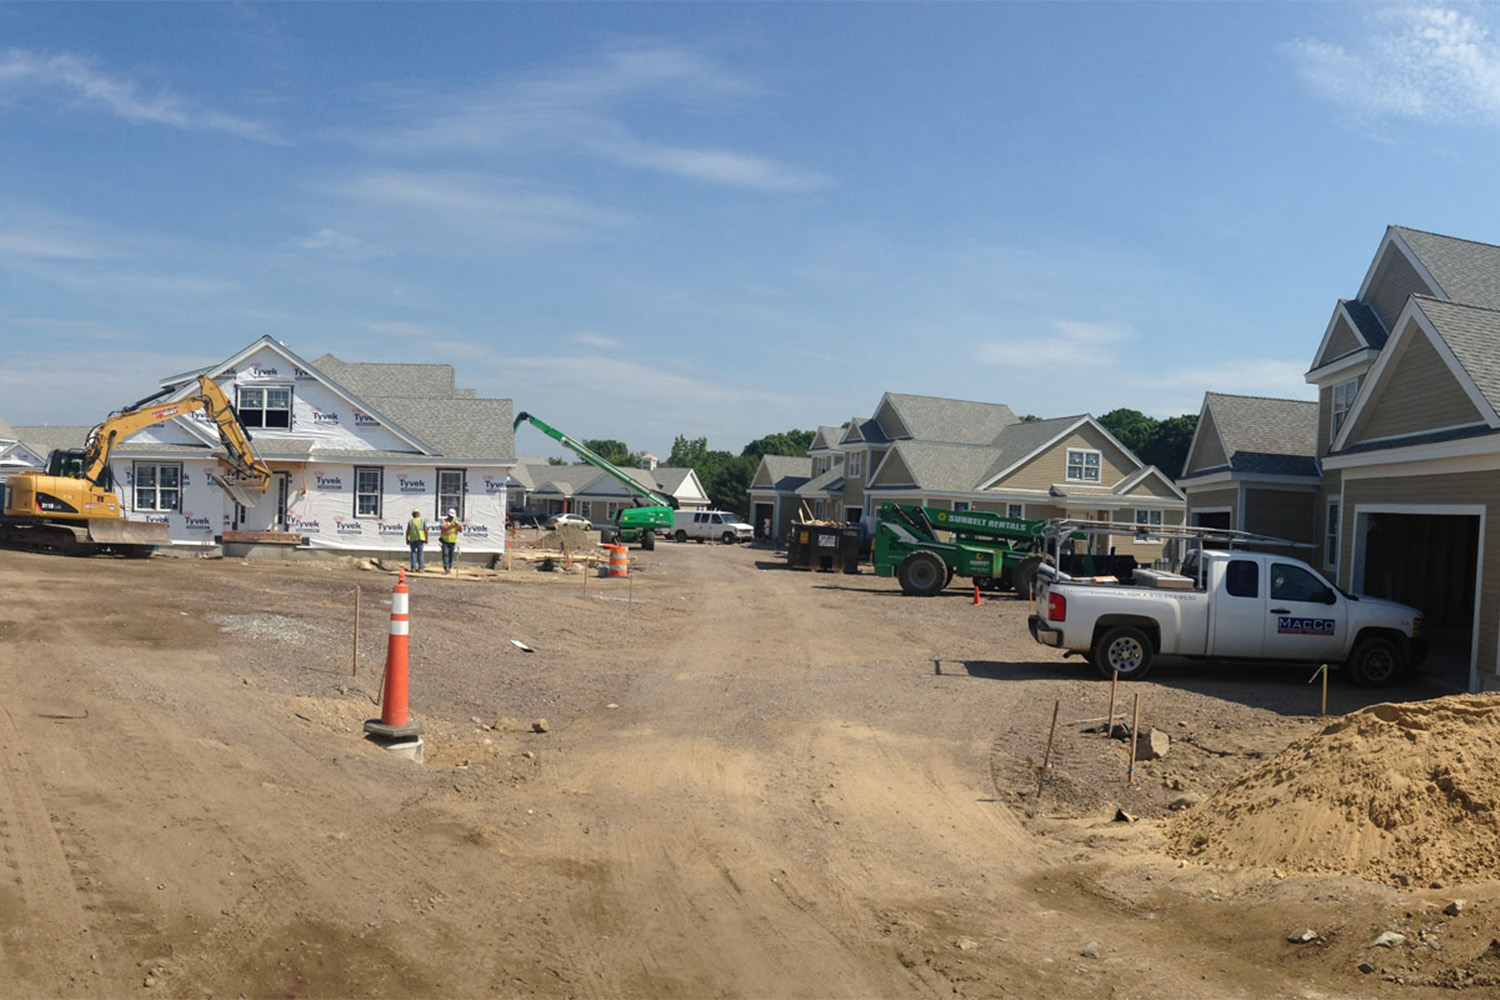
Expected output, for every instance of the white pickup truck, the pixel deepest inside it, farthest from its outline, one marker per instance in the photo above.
(1231, 605)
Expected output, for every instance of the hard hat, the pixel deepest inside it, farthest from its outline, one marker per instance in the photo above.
(416, 512)
(452, 511)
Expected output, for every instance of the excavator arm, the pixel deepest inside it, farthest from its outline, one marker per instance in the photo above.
(243, 475)
(597, 461)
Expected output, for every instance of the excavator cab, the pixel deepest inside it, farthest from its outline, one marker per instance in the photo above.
(67, 462)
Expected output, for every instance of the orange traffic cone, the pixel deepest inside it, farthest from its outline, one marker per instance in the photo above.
(977, 599)
(394, 722)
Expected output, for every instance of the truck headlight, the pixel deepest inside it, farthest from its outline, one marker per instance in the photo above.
(1416, 626)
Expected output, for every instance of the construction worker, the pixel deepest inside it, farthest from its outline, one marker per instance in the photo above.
(416, 538)
(448, 533)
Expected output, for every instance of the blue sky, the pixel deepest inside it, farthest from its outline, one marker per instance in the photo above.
(640, 220)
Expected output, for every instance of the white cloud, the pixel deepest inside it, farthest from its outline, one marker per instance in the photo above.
(597, 341)
(46, 246)
(481, 207)
(1425, 62)
(79, 388)
(1071, 342)
(80, 84)
(337, 244)
(585, 108)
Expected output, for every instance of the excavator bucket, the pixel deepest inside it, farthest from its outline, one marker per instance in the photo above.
(112, 532)
(244, 494)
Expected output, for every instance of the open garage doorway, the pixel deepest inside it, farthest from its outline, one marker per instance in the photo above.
(1430, 561)
(1212, 519)
(760, 519)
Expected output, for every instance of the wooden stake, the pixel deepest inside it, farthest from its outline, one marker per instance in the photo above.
(630, 588)
(355, 672)
(1114, 684)
(1135, 725)
(1047, 757)
(1325, 689)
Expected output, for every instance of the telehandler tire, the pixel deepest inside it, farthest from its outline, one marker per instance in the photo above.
(648, 541)
(922, 574)
(1023, 577)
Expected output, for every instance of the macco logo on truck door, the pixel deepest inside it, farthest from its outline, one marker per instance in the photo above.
(1286, 625)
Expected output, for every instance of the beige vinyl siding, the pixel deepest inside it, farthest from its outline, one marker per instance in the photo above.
(1395, 281)
(1328, 490)
(1207, 453)
(1477, 488)
(889, 422)
(854, 487)
(1051, 466)
(1418, 393)
(762, 478)
(1344, 339)
(894, 473)
(1145, 552)
(1281, 514)
(1152, 486)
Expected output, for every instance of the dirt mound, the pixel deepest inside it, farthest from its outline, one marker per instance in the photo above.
(568, 538)
(1398, 793)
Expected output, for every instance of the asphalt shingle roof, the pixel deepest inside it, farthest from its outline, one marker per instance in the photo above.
(831, 481)
(43, 438)
(1473, 333)
(1466, 271)
(462, 430)
(952, 421)
(787, 472)
(364, 378)
(1267, 436)
(946, 468)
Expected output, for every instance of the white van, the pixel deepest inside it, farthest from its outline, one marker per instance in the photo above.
(705, 525)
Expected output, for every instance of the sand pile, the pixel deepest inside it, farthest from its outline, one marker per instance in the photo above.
(568, 538)
(1404, 794)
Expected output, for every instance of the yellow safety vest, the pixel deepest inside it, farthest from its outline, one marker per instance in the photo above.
(416, 530)
(449, 530)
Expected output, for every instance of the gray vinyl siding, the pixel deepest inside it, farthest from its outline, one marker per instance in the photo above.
(1476, 488)
(1208, 453)
(1051, 466)
(1226, 497)
(894, 473)
(1325, 419)
(1395, 281)
(1420, 394)
(1281, 514)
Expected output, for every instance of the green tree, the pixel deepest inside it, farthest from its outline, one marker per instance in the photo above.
(1134, 429)
(780, 443)
(1169, 446)
(1030, 418)
(612, 451)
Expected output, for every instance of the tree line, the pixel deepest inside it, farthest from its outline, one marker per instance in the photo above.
(726, 476)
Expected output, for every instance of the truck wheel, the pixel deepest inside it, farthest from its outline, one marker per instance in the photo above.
(681, 535)
(984, 583)
(1376, 661)
(648, 541)
(1023, 577)
(728, 538)
(606, 536)
(1125, 650)
(922, 574)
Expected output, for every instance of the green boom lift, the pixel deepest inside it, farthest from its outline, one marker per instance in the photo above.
(632, 524)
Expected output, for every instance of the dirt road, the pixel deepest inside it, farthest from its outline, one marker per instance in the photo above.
(755, 782)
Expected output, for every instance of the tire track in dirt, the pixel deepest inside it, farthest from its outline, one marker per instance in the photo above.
(51, 928)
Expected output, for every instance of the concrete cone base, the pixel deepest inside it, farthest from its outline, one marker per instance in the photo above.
(412, 748)
(386, 731)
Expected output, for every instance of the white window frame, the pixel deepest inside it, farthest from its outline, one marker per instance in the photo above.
(156, 489)
(610, 510)
(1016, 510)
(586, 509)
(959, 505)
(1331, 517)
(1339, 407)
(254, 414)
(818, 509)
(1147, 518)
(1089, 460)
(378, 495)
(852, 466)
(452, 498)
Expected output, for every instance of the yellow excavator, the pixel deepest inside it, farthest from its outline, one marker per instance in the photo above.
(71, 507)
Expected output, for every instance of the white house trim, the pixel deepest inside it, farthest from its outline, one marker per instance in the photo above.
(1052, 442)
(1253, 478)
(1327, 373)
(1133, 480)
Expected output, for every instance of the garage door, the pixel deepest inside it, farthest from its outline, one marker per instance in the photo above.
(1430, 561)
(1217, 519)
